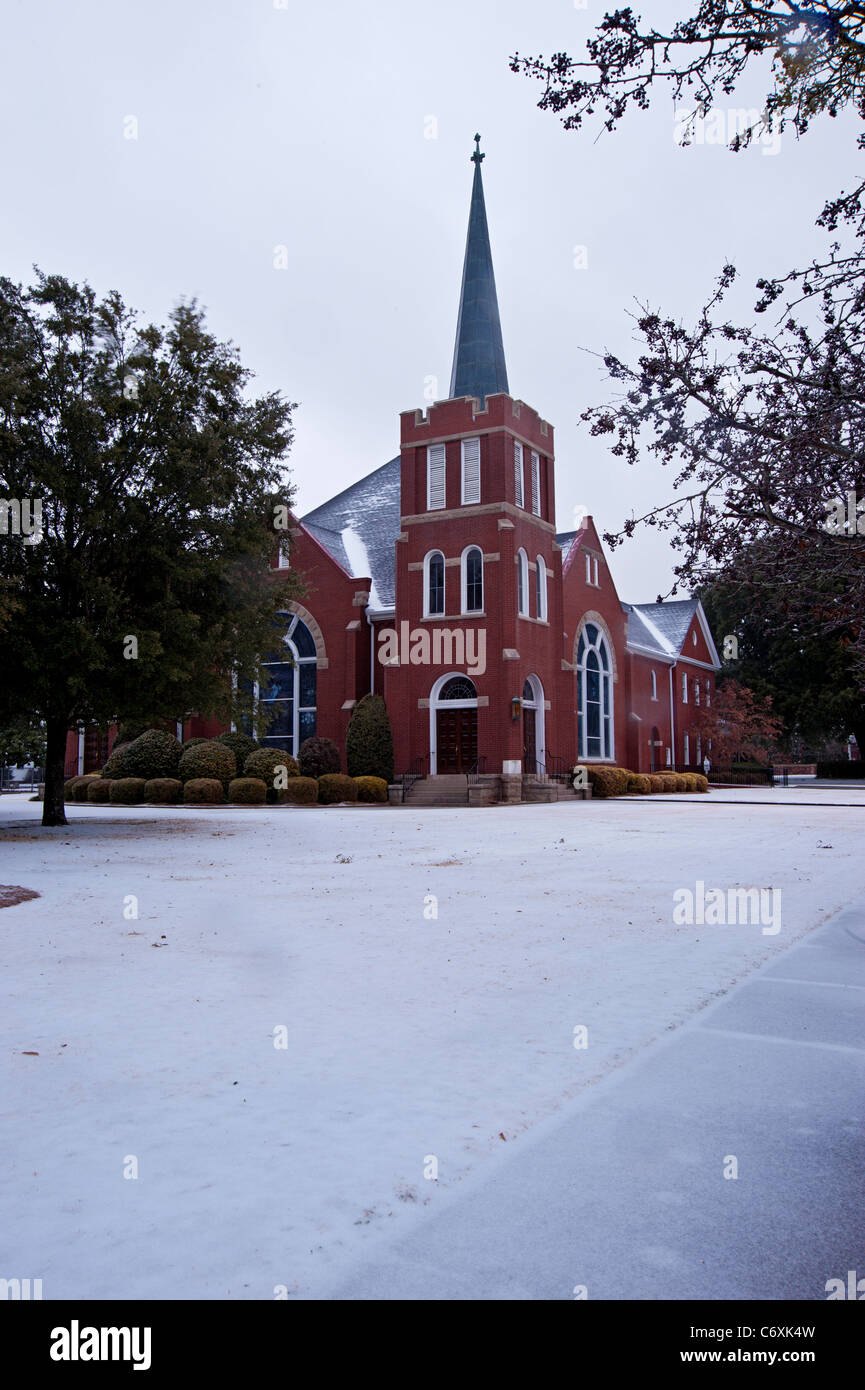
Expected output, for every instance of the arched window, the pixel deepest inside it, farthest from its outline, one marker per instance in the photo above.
(434, 584)
(594, 694)
(522, 583)
(290, 695)
(541, 588)
(473, 580)
(458, 688)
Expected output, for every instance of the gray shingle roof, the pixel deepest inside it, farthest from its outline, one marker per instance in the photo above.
(661, 626)
(359, 528)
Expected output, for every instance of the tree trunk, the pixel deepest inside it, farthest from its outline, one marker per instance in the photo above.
(53, 810)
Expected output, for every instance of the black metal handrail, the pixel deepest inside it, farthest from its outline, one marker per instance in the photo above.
(415, 772)
(558, 769)
(474, 774)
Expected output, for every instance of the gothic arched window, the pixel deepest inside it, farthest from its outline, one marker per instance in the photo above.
(290, 695)
(522, 583)
(473, 580)
(434, 584)
(594, 694)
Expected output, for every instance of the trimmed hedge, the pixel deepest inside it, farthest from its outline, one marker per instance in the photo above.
(116, 764)
(248, 791)
(318, 756)
(241, 746)
(126, 791)
(163, 791)
(656, 782)
(334, 787)
(608, 781)
(79, 790)
(207, 790)
(263, 763)
(371, 789)
(842, 768)
(192, 742)
(301, 791)
(639, 782)
(369, 741)
(702, 783)
(68, 785)
(152, 755)
(210, 761)
(98, 789)
(131, 729)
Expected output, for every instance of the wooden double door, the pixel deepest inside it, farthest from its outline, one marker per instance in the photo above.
(456, 739)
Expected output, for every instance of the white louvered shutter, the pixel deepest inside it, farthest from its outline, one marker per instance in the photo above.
(471, 470)
(435, 477)
(518, 473)
(536, 484)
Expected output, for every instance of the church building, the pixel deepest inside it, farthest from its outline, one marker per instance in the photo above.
(440, 582)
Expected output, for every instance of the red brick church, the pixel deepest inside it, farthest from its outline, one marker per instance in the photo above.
(440, 582)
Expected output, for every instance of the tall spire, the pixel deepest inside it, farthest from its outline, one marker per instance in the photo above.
(479, 355)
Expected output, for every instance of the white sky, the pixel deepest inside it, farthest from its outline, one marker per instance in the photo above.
(305, 127)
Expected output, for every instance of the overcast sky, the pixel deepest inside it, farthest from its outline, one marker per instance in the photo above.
(260, 125)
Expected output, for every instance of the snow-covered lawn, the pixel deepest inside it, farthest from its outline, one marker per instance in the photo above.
(407, 1035)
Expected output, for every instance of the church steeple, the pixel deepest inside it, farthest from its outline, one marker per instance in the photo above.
(479, 355)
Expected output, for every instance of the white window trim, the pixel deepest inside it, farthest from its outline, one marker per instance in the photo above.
(439, 452)
(470, 501)
(519, 475)
(654, 685)
(541, 588)
(684, 687)
(464, 577)
(595, 579)
(522, 583)
(581, 677)
(427, 559)
(536, 483)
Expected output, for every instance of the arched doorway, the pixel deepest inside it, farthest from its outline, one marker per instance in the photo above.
(453, 725)
(534, 744)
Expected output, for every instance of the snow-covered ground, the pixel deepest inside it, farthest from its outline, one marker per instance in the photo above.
(425, 970)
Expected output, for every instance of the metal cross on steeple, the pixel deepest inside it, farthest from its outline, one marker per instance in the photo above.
(477, 156)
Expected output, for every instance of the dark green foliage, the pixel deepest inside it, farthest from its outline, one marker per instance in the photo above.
(210, 759)
(842, 767)
(163, 791)
(22, 743)
(116, 764)
(99, 789)
(265, 762)
(208, 790)
(131, 729)
(160, 473)
(191, 742)
(300, 791)
(126, 791)
(81, 784)
(334, 787)
(369, 741)
(241, 745)
(248, 791)
(371, 789)
(318, 756)
(155, 753)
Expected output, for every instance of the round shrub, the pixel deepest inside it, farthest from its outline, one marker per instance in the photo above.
(368, 741)
(126, 791)
(98, 789)
(264, 762)
(301, 791)
(656, 782)
(79, 790)
(371, 788)
(131, 729)
(116, 764)
(334, 787)
(639, 782)
(318, 756)
(211, 761)
(608, 781)
(69, 785)
(206, 790)
(191, 742)
(241, 746)
(152, 755)
(701, 781)
(163, 791)
(248, 791)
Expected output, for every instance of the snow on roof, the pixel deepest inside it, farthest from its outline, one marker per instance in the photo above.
(359, 528)
(665, 625)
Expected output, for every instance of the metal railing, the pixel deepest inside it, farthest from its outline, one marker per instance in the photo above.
(732, 775)
(474, 774)
(415, 772)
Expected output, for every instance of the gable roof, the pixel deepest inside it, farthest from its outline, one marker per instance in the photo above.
(359, 527)
(663, 627)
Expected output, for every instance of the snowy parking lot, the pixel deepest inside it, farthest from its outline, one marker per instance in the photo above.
(241, 1044)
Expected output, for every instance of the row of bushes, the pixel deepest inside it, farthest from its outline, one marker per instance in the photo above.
(328, 790)
(618, 781)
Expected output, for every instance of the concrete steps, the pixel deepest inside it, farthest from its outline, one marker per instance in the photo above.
(448, 789)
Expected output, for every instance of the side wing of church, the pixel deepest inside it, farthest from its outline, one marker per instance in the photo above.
(439, 581)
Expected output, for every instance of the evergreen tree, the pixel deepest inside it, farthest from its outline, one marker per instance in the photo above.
(369, 741)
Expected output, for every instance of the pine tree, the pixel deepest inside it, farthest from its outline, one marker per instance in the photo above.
(369, 741)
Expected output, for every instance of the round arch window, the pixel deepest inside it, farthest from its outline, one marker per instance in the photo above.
(290, 695)
(458, 688)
